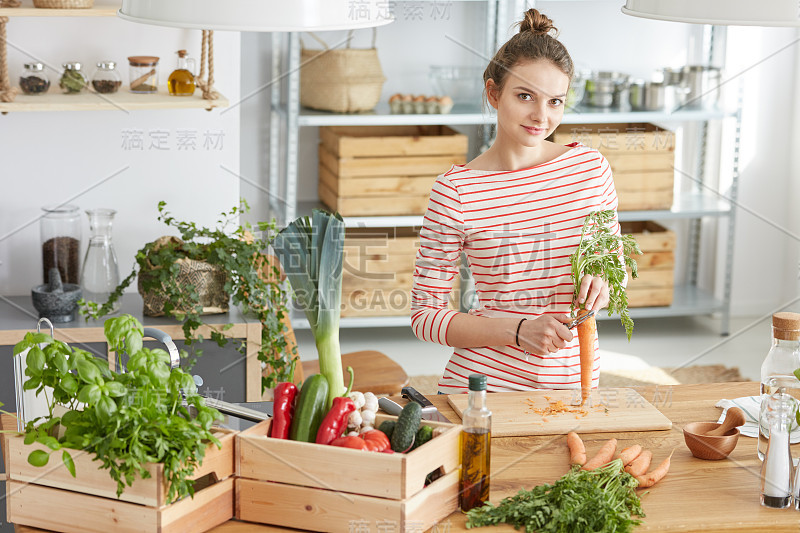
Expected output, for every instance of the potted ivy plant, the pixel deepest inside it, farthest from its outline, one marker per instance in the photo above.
(237, 269)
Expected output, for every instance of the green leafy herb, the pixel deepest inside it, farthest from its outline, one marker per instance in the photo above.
(125, 420)
(581, 501)
(251, 281)
(604, 254)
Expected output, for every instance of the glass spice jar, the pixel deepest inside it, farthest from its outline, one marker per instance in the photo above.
(72, 80)
(143, 74)
(33, 79)
(106, 79)
(60, 228)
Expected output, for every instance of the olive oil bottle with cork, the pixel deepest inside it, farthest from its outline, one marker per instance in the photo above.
(181, 81)
(476, 445)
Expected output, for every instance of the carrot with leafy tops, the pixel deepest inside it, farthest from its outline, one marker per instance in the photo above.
(577, 450)
(602, 253)
(655, 475)
(604, 455)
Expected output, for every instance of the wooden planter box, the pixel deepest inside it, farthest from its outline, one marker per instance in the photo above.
(642, 159)
(50, 498)
(378, 272)
(384, 170)
(656, 282)
(326, 488)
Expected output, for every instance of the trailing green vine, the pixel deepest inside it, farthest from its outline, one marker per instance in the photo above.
(251, 281)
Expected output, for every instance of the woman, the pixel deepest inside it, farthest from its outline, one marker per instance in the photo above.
(516, 211)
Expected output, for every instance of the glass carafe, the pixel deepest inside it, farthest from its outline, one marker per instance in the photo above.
(776, 470)
(181, 81)
(100, 274)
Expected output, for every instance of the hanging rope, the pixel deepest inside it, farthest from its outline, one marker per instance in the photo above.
(207, 55)
(7, 92)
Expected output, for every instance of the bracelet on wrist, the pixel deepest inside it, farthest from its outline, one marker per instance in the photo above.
(516, 337)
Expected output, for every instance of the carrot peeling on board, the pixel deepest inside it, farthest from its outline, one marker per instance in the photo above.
(586, 335)
(655, 475)
(629, 454)
(603, 455)
(577, 451)
(640, 465)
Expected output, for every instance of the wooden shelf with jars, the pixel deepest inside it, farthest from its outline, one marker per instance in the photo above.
(122, 100)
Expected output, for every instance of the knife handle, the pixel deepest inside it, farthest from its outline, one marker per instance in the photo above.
(389, 406)
(414, 395)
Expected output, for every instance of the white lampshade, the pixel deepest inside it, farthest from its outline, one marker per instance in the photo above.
(720, 12)
(259, 15)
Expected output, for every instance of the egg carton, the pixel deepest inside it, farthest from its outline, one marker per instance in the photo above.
(420, 104)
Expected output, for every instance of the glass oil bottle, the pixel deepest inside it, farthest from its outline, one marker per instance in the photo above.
(476, 445)
(181, 81)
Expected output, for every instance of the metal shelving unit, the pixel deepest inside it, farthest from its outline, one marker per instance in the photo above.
(692, 205)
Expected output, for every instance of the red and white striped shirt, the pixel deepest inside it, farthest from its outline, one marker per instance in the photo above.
(517, 229)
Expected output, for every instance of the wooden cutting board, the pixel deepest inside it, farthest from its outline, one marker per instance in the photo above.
(520, 413)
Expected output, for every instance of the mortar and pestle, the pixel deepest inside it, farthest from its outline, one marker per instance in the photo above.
(712, 440)
(56, 301)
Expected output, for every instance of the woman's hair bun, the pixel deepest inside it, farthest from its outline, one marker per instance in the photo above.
(536, 23)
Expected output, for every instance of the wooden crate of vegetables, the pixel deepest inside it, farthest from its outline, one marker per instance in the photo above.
(642, 159)
(85, 503)
(352, 481)
(384, 170)
(378, 272)
(656, 282)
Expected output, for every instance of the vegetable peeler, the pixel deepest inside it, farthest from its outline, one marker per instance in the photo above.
(581, 319)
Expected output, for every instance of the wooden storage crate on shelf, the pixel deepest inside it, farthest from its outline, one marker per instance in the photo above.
(327, 488)
(378, 272)
(50, 498)
(656, 282)
(642, 159)
(384, 170)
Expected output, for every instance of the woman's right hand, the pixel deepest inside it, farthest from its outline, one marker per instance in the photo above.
(545, 335)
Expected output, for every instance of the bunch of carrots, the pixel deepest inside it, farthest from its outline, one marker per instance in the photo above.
(635, 459)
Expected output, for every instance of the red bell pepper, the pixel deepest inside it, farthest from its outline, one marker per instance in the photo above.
(283, 410)
(336, 420)
(357, 443)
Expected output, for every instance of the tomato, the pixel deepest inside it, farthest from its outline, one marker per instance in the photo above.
(357, 443)
(376, 440)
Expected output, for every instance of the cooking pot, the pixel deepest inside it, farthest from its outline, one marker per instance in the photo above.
(702, 84)
(647, 95)
(607, 89)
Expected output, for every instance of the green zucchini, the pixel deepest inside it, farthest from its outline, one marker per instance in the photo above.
(387, 426)
(406, 428)
(424, 434)
(310, 409)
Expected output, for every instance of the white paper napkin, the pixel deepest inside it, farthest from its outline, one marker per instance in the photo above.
(751, 405)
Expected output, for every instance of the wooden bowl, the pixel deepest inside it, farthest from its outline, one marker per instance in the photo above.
(708, 447)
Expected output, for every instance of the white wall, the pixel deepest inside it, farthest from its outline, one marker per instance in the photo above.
(49, 157)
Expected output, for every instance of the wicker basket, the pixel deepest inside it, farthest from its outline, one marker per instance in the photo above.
(344, 80)
(63, 4)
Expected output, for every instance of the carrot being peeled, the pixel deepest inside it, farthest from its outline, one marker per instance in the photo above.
(629, 454)
(640, 465)
(586, 335)
(603, 455)
(577, 451)
(655, 475)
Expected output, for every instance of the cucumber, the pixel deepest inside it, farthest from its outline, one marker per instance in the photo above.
(310, 409)
(424, 434)
(405, 429)
(387, 426)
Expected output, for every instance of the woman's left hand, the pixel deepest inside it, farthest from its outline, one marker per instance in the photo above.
(593, 293)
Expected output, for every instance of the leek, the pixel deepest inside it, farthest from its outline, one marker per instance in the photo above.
(311, 251)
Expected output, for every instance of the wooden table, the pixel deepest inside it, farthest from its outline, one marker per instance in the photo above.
(696, 495)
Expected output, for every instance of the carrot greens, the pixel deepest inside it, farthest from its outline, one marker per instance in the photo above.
(604, 254)
(581, 501)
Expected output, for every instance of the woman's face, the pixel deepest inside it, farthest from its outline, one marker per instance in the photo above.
(531, 103)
